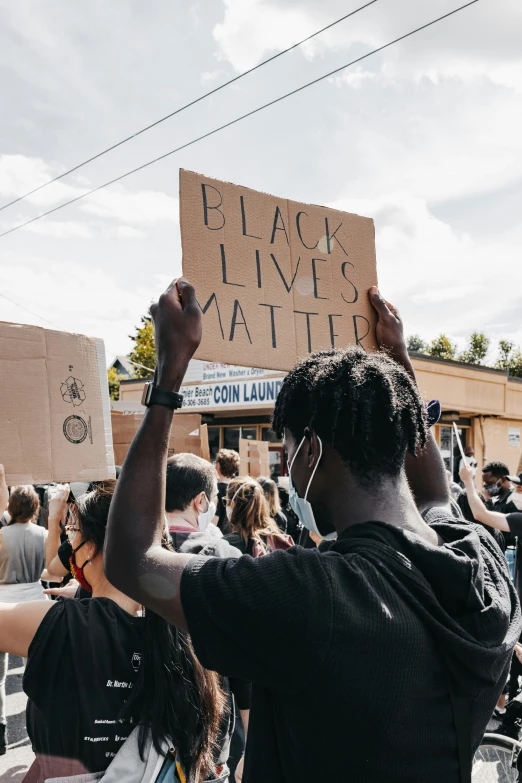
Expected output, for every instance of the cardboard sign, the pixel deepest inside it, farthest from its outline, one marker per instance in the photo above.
(254, 458)
(275, 279)
(186, 434)
(55, 422)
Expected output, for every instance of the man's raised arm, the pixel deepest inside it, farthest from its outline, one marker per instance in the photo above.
(134, 560)
(426, 473)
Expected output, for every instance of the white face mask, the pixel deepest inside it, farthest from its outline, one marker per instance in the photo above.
(516, 499)
(205, 518)
(301, 506)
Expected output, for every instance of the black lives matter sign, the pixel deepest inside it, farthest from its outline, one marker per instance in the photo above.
(275, 279)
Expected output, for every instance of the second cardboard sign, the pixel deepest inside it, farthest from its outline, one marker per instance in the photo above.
(275, 279)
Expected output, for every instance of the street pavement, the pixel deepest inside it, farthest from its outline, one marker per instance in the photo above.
(19, 756)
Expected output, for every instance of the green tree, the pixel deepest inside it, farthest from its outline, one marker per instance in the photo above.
(415, 343)
(113, 379)
(476, 349)
(509, 358)
(144, 351)
(442, 348)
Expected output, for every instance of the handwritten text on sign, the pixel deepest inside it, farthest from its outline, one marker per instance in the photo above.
(275, 279)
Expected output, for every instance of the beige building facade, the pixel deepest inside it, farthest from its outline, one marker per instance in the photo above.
(236, 402)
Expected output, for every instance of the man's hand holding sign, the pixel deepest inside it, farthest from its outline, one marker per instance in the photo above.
(275, 279)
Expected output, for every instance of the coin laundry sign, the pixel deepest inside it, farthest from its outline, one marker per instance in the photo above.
(260, 394)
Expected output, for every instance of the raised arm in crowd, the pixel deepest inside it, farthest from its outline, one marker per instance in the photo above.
(387, 610)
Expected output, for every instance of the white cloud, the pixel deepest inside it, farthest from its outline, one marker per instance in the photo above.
(144, 207)
(465, 42)
(20, 174)
(61, 230)
(447, 294)
(129, 232)
(252, 28)
(209, 78)
(439, 278)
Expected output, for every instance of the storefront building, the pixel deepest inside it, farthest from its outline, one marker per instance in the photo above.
(236, 402)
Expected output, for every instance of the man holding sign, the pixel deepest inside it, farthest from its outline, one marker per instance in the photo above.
(387, 637)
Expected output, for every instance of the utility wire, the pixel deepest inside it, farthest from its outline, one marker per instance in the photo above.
(188, 105)
(238, 119)
(41, 317)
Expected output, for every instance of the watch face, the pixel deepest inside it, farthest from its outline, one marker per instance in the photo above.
(146, 394)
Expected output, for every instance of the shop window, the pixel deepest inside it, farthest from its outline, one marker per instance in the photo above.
(449, 449)
(213, 441)
(267, 433)
(231, 438)
(249, 433)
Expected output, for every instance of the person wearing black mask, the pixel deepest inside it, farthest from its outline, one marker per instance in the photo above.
(498, 487)
(406, 609)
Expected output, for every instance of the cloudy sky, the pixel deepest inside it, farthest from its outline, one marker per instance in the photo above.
(424, 137)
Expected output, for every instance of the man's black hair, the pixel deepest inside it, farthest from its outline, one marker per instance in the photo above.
(187, 476)
(497, 469)
(365, 406)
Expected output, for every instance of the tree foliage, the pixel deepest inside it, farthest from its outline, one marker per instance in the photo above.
(113, 379)
(415, 343)
(509, 358)
(442, 348)
(476, 349)
(144, 351)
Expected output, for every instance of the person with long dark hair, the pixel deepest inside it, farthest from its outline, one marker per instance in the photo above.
(116, 668)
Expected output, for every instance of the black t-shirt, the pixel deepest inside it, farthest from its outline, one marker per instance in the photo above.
(514, 521)
(345, 651)
(82, 664)
(221, 510)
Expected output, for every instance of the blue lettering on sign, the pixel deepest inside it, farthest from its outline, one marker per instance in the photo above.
(255, 391)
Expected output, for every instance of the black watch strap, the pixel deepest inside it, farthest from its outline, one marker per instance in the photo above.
(153, 395)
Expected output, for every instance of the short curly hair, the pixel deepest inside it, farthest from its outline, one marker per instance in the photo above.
(228, 461)
(365, 406)
(497, 469)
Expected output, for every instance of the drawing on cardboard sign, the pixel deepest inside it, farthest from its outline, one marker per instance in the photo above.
(275, 279)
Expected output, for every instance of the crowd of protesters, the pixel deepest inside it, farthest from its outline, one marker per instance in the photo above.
(184, 636)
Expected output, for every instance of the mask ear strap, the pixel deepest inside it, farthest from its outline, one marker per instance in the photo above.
(296, 453)
(316, 466)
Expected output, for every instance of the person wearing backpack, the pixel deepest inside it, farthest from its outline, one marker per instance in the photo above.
(253, 531)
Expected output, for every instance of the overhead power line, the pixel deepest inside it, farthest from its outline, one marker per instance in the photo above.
(188, 105)
(238, 119)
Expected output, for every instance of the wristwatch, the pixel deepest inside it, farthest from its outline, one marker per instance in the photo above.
(153, 395)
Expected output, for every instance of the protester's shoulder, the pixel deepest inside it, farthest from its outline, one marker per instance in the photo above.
(449, 514)
(514, 520)
(294, 566)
